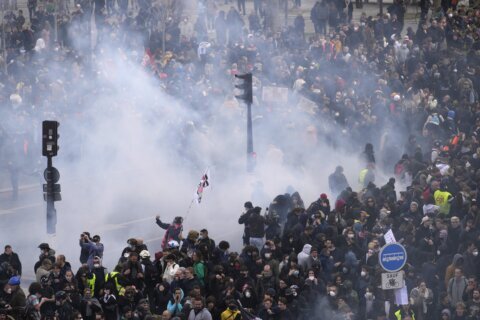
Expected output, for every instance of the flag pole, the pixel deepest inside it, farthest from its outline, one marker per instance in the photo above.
(188, 210)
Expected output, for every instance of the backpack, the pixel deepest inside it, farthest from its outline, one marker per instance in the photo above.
(29, 312)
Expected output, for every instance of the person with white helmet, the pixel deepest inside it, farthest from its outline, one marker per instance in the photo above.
(173, 231)
(150, 272)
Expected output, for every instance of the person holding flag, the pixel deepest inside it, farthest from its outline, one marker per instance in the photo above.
(173, 230)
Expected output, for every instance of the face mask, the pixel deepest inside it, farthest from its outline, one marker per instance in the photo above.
(96, 265)
(475, 253)
(126, 255)
(200, 237)
(363, 273)
(332, 293)
(9, 290)
(368, 295)
(268, 255)
(295, 273)
(311, 278)
(350, 236)
(248, 294)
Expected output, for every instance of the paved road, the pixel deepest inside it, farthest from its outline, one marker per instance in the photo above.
(23, 225)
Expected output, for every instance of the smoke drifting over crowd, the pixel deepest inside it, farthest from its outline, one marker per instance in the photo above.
(130, 150)
(135, 151)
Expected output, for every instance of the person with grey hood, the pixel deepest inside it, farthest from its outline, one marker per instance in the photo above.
(303, 256)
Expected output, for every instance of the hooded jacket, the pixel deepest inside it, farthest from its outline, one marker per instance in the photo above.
(304, 255)
(458, 258)
(175, 308)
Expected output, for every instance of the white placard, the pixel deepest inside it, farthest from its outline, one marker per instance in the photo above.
(401, 296)
(389, 237)
(274, 94)
(307, 105)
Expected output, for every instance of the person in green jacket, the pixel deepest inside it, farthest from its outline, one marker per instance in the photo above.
(199, 268)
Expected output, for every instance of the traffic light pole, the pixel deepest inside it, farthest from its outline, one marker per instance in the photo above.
(250, 159)
(51, 190)
(51, 211)
(247, 97)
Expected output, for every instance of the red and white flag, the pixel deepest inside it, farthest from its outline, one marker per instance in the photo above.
(202, 185)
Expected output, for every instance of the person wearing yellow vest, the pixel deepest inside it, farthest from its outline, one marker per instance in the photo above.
(112, 278)
(367, 175)
(405, 313)
(443, 199)
(91, 278)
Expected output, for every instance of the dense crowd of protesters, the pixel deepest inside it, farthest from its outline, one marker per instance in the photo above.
(413, 95)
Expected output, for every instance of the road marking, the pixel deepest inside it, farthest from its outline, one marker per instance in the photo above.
(12, 210)
(121, 225)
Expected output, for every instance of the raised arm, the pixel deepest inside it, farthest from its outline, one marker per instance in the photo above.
(161, 224)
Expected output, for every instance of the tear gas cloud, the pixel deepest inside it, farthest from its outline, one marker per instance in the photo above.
(130, 151)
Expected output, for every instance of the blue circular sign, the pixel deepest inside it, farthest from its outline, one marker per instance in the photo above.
(392, 257)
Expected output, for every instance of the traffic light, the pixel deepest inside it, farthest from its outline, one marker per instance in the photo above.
(50, 138)
(246, 86)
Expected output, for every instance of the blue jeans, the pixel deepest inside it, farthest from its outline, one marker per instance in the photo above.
(257, 242)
